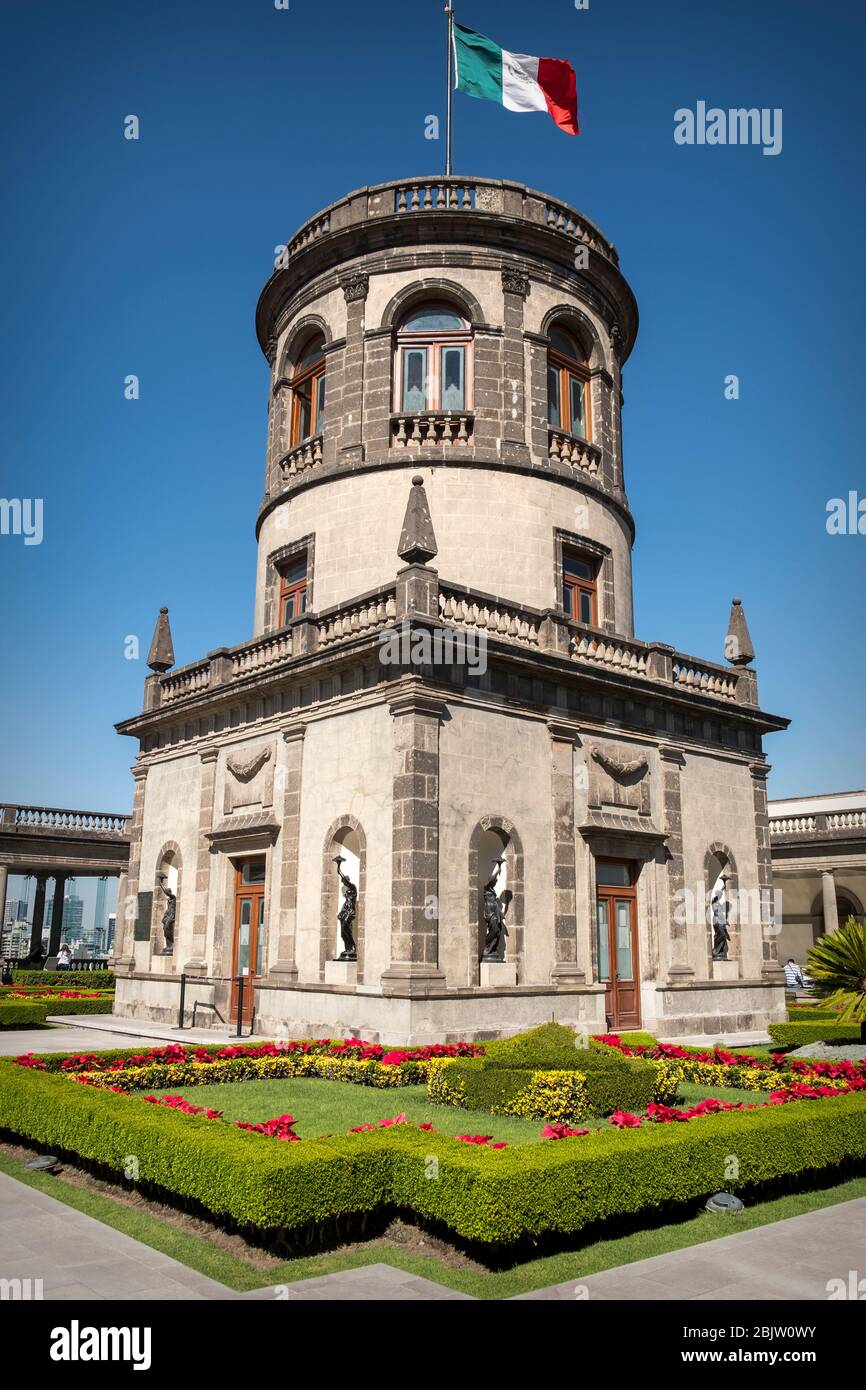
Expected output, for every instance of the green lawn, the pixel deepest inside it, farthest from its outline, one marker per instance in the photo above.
(332, 1107)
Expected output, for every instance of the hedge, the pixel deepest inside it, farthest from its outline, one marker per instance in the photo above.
(492, 1196)
(805, 1015)
(509, 1078)
(799, 1034)
(160, 1075)
(96, 979)
(17, 1013)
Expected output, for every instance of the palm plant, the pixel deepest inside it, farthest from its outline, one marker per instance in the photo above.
(837, 964)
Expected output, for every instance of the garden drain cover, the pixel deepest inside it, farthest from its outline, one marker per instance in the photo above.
(43, 1164)
(724, 1201)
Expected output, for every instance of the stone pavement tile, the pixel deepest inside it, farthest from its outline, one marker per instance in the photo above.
(117, 1276)
(13, 1250)
(78, 1292)
(742, 1292)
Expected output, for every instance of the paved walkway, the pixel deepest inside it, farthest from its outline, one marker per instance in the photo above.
(78, 1257)
(792, 1259)
(94, 1032)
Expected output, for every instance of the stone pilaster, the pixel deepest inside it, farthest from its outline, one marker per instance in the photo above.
(414, 965)
(349, 446)
(672, 762)
(770, 970)
(566, 968)
(197, 964)
(515, 291)
(127, 893)
(285, 967)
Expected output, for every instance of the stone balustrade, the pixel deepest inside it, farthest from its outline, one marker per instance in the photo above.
(185, 681)
(586, 644)
(267, 651)
(432, 427)
(819, 825)
(483, 614)
(408, 197)
(368, 614)
(48, 819)
(846, 820)
(301, 458)
(419, 196)
(544, 630)
(793, 825)
(578, 453)
(705, 677)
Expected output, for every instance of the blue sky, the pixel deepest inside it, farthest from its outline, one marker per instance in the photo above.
(147, 257)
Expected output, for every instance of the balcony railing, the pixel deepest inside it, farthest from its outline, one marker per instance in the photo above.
(820, 824)
(432, 427)
(486, 614)
(301, 458)
(413, 197)
(543, 630)
(55, 820)
(578, 453)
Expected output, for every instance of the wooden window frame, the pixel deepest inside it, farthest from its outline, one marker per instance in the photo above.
(568, 368)
(299, 590)
(575, 586)
(314, 374)
(434, 343)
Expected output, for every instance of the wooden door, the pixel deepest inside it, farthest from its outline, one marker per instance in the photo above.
(617, 943)
(248, 945)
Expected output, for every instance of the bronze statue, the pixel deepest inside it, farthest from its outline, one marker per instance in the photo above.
(495, 909)
(168, 917)
(346, 915)
(721, 935)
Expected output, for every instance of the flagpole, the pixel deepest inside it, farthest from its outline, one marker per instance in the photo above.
(449, 10)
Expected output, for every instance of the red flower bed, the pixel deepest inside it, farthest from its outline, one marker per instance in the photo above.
(561, 1132)
(279, 1128)
(175, 1052)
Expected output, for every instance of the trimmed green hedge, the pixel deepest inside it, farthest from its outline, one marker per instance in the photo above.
(799, 1034)
(72, 979)
(497, 1081)
(492, 1196)
(811, 1015)
(17, 1013)
(103, 1005)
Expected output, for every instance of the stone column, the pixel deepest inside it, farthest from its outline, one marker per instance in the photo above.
(4, 880)
(515, 290)
(566, 969)
(672, 761)
(127, 898)
(770, 969)
(197, 964)
(57, 913)
(414, 968)
(353, 405)
(285, 967)
(828, 891)
(38, 912)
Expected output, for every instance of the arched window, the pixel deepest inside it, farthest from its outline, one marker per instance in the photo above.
(567, 385)
(308, 390)
(432, 364)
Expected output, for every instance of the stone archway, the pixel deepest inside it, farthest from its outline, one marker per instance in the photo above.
(495, 837)
(346, 837)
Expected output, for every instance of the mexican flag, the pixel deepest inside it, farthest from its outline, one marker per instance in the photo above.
(515, 80)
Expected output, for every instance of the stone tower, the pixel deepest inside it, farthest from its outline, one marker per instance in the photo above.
(444, 673)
